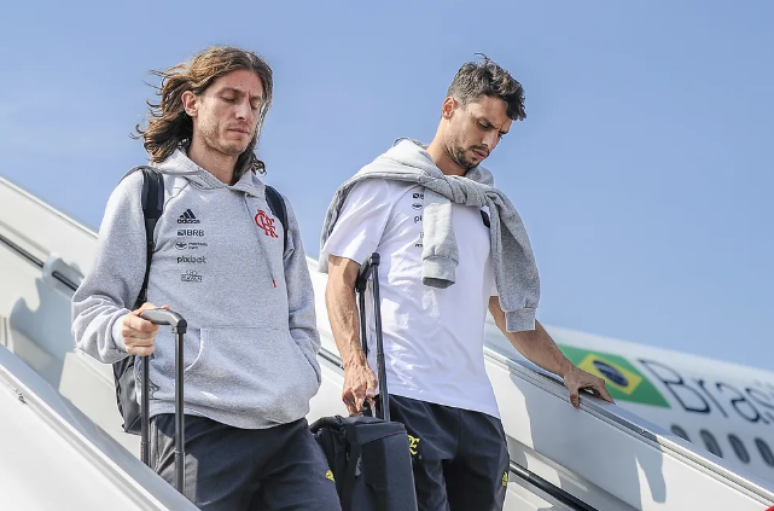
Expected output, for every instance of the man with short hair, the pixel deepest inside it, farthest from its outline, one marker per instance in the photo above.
(222, 260)
(451, 245)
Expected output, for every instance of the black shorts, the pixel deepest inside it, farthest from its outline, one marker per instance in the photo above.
(281, 468)
(460, 457)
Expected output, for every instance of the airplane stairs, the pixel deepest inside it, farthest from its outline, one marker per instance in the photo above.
(61, 445)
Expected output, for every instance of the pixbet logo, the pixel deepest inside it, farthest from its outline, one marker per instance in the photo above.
(192, 259)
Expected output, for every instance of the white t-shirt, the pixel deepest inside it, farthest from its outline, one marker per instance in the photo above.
(433, 338)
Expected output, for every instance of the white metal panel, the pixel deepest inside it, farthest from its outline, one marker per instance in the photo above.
(39, 471)
(619, 456)
(53, 457)
(43, 230)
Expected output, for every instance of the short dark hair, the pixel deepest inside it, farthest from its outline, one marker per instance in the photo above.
(487, 78)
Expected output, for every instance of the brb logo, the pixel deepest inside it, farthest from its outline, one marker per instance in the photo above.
(266, 223)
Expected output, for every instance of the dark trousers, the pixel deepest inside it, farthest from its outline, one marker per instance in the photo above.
(276, 469)
(460, 457)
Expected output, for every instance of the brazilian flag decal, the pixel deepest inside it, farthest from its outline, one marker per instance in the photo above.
(624, 381)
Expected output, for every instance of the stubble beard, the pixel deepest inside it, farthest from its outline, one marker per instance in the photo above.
(211, 139)
(457, 155)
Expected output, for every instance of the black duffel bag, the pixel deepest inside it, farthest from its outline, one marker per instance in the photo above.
(369, 456)
(370, 462)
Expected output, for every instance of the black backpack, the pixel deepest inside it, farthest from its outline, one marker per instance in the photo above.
(152, 208)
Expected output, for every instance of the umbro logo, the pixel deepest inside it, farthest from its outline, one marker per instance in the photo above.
(188, 218)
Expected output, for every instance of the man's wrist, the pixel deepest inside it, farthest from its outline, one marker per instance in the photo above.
(356, 359)
(567, 368)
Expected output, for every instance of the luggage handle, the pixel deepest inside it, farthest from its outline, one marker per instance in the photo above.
(179, 327)
(370, 269)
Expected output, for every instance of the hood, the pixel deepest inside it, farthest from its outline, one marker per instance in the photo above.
(179, 164)
(410, 156)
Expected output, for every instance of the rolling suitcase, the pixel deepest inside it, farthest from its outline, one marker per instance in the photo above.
(179, 327)
(369, 456)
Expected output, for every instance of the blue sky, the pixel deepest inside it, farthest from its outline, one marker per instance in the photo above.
(643, 172)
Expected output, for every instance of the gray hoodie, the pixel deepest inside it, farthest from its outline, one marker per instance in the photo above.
(515, 271)
(250, 350)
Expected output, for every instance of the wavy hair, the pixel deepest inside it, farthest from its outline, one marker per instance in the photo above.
(487, 78)
(169, 126)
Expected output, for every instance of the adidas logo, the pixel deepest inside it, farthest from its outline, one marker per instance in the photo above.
(188, 218)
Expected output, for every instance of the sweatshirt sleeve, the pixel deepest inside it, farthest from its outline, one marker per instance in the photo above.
(113, 283)
(301, 307)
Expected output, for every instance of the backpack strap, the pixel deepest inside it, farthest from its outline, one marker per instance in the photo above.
(152, 207)
(123, 370)
(278, 209)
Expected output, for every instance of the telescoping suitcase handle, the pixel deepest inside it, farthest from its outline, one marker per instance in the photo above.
(179, 327)
(370, 268)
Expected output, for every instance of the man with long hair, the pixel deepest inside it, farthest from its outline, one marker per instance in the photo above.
(224, 262)
(451, 246)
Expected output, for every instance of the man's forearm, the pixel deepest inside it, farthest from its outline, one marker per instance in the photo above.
(536, 345)
(345, 322)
